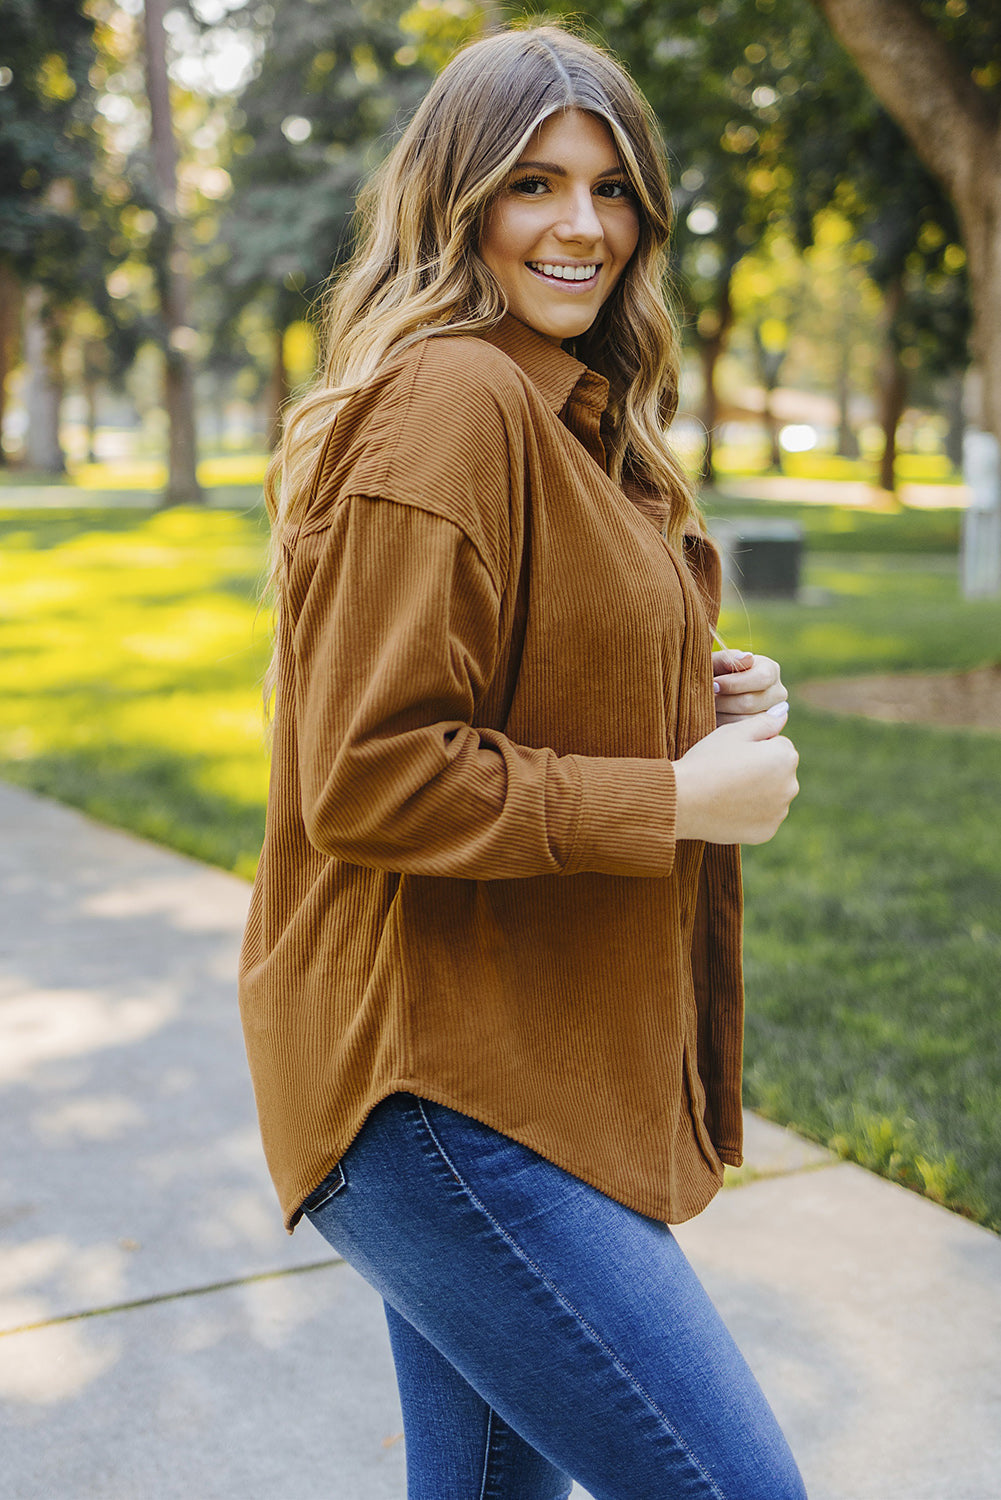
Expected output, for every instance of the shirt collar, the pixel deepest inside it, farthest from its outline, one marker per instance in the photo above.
(553, 371)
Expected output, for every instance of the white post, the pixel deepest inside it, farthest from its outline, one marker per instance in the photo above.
(980, 563)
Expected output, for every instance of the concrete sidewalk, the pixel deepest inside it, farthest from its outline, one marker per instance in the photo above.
(163, 1337)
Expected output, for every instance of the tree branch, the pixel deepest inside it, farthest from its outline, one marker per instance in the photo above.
(922, 84)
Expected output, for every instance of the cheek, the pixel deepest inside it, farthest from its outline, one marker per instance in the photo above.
(510, 234)
(629, 236)
(489, 238)
(500, 235)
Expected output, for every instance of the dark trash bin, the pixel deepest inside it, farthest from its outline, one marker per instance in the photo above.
(760, 557)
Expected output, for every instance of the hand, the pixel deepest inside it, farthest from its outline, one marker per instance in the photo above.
(735, 786)
(745, 684)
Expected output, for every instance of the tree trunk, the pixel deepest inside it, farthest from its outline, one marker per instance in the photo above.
(980, 218)
(709, 353)
(179, 393)
(10, 312)
(847, 439)
(955, 130)
(892, 392)
(892, 405)
(277, 389)
(714, 330)
(772, 426)
(90, 388)
(44, 398)
(769, 367)
(956, 417)
(95, 363)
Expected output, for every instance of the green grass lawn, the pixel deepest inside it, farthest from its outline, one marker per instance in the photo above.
(130, 658)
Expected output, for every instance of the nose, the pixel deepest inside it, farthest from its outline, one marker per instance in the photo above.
(580, 220)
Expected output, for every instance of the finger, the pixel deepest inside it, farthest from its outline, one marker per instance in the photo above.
(763, 726)
(752, 703)
(731, 661)
(751, 681)
(763, 674)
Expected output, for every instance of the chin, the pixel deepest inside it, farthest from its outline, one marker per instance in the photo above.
(557, 328)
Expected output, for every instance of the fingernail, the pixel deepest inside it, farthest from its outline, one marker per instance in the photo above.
(778, 710)
(715, 687)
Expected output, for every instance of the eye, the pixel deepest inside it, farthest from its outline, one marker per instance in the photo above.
(531, 187)
(615, 188)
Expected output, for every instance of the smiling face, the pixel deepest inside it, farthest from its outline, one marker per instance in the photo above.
(562, 229)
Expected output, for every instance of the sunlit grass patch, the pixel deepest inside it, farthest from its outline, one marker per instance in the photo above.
(753, 457)
(132, 653)
(151, 473)
(850, 528)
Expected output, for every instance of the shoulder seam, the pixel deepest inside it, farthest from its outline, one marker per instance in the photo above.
(424, 510)
(391, 452)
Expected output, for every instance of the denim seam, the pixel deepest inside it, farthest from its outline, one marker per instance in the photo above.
(566, 1303)
(486, 1446)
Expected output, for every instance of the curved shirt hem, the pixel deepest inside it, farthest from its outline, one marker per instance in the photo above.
(662, 1209)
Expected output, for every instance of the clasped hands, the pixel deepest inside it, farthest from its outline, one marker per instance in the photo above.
(735, 785)
(745, 684)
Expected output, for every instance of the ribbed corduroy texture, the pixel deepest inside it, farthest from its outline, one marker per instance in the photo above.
(470, 888)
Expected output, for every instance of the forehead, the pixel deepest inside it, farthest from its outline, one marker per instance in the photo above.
(573, 133)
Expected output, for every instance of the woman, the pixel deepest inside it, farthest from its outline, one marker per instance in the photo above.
(491, 977)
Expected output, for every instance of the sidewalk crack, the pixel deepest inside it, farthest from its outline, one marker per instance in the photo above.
(178, 1296)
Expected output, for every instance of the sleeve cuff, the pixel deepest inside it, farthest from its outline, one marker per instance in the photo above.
(627, 816)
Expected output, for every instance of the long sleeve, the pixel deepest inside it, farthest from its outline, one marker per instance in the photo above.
(394, 645)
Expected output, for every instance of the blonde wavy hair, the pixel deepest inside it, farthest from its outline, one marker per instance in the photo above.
(416, 272)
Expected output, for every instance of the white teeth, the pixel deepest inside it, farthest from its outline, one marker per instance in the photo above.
(564, 273)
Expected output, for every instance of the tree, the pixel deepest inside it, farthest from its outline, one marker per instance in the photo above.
(855, 157)
(170, 262)
(770, 121)
(66, 215)
(769, 292)
(723, 78)
(46, 110)
(330, 84)
(936, 66)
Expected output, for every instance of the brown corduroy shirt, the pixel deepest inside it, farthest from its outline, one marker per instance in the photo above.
(470, 888)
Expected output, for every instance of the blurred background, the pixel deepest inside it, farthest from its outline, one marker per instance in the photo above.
(176, 182)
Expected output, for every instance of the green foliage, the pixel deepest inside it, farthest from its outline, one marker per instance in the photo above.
(721, 79)
(972, 33)
(769, 124)
(331, 84)
(66, 219)
(46, 106)
(437, 31)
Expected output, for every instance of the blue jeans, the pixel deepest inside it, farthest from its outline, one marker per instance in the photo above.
(541, 1332)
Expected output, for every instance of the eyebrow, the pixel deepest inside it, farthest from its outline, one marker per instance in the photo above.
(557, 171)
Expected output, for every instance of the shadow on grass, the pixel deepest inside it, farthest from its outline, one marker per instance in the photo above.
(45, 530)
(151, 793)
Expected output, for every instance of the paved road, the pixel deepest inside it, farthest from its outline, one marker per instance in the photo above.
(161, 1338)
